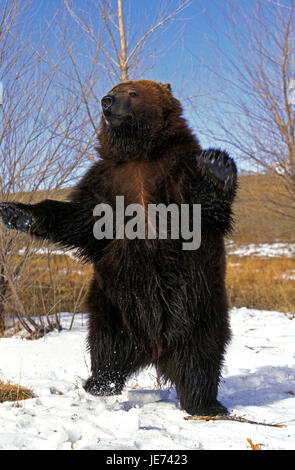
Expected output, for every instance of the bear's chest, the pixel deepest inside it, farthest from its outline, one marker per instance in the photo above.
(139, 181)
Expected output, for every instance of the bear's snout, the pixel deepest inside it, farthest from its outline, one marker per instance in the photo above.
(107, 102)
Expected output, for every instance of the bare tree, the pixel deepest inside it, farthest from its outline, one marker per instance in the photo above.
(253, 110)
(38, 154)
(122, 56)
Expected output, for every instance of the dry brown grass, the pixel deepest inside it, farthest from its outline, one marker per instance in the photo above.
(11, 392)
(61, 289)
(260, 283)
(254, 446)
(51, 285)
(257, 219)
(263, 284)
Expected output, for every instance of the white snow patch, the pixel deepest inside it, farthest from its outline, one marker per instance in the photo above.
(258, 383)
(264, 250)
(45, 251)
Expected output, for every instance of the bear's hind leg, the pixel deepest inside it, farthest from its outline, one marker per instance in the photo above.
(114, 352)
(196, 381)
(195, 369)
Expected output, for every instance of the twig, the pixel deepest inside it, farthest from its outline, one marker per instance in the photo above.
(254, 446)
(231, 418)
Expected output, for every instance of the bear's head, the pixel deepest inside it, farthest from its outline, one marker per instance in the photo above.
(138, 103)
(137, 116)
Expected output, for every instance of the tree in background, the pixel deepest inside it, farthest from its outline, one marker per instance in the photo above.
(122, 55)
(34, 153)
(253, 109)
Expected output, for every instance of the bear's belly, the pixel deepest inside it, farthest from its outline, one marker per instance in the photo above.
(151, 284)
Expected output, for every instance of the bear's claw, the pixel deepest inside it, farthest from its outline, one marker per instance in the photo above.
(97, 387)
(213, 409)
(219, 164)
(15, 217)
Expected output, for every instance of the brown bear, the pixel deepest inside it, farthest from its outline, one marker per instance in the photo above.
(150, 300)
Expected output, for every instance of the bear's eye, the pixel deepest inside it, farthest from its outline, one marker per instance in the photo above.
(133, 94)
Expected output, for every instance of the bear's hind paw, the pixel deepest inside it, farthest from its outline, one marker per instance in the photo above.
(213, 409)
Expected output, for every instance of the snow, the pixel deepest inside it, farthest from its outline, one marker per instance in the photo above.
(258, 383)
(288, 276)
(45, 251)
(264, 250)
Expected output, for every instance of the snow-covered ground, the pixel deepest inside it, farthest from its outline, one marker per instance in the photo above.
(264, 250)
(258, 383)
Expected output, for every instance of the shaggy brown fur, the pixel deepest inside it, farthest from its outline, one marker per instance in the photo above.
(150, 302)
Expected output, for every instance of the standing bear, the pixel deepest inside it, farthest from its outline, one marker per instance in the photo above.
(150, 301)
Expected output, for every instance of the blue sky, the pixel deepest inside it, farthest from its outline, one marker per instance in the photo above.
(180, 46)
(183, 52)
(182, 49)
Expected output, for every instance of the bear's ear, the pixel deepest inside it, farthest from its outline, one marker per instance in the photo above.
(166, 86)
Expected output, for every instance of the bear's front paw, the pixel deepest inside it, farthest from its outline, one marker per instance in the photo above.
(219, 164)
(98, 387)
(15, 217)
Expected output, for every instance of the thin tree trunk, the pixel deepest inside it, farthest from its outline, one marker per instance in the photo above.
(123, 56)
